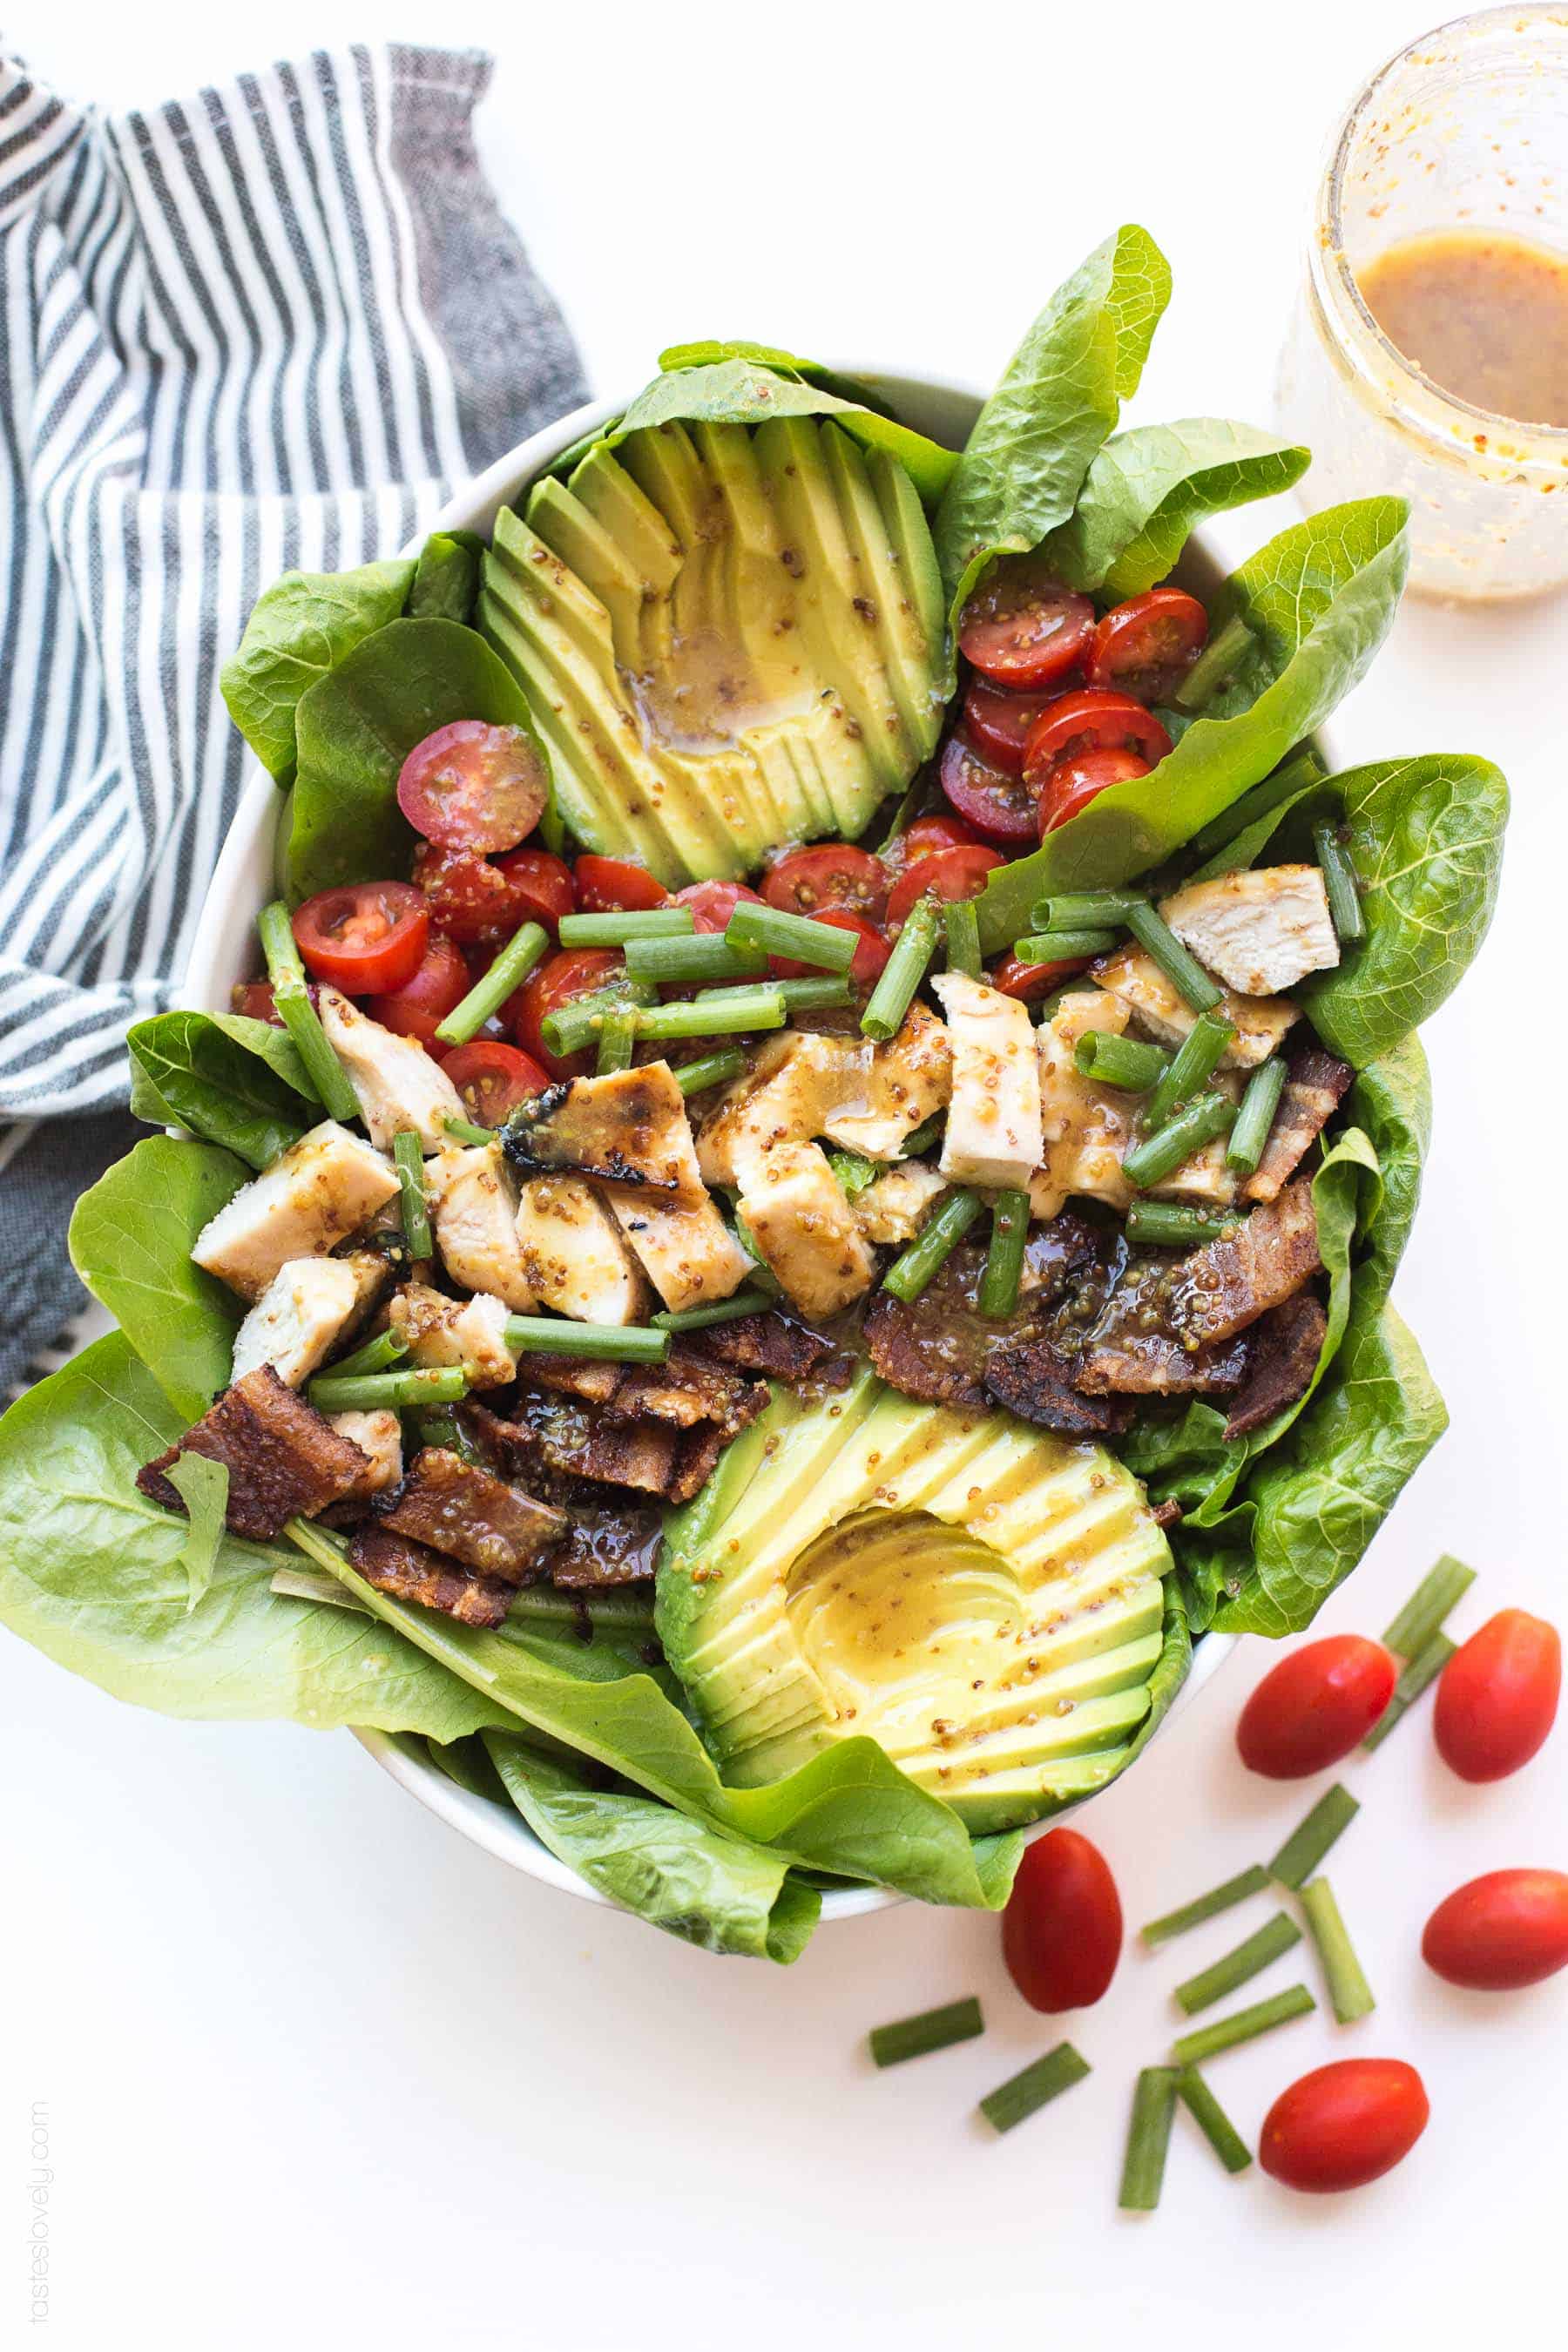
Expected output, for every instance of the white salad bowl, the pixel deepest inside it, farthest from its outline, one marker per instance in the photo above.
(226, 952)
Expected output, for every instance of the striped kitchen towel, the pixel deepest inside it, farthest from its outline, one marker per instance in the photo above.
(268, 328)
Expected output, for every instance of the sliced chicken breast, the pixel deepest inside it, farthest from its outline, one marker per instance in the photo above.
(319, 1191)
(398, 1084)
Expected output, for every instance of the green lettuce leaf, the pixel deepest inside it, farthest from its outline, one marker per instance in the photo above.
(203, 1487)
(232, 1081)
(298, 630)
(446, 577)
(768, 355)
(1147, 489)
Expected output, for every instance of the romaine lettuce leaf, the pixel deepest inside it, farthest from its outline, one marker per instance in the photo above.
(1147, 489)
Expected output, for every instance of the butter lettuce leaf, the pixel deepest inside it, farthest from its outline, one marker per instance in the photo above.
(1148, 488)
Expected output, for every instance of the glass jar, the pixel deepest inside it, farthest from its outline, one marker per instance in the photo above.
(1466, 128)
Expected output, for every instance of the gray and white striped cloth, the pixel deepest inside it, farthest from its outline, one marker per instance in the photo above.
(268, 328)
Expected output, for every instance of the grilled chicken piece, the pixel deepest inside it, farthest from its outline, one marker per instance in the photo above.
(1260, 929)
(1260, 1022)
(1286, 1344)
(461, 1509)
(575, 1257)
(805, 1230)
(795, 1086)
(304, 1309)
(993, 1134)
(466, 1331)
(686, 1249)
(398, 1084)
(893, 1208)
(473, 1209)
(901, 1084)
(1318, 1084)
(319, 1191)
(409, 1571)
(379, 1436)
(281, 1455)
(1088, 1128)
(1259, 1263)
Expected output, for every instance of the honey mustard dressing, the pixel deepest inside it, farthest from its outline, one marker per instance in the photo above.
(1483, 314)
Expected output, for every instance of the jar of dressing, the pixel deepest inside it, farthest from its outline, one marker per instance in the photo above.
(1428, 354)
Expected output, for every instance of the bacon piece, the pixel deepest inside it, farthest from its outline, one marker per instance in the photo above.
(282, 1456)
(461, 1509)
(411, 1571)
(1286, 1345)
(1317, 1085)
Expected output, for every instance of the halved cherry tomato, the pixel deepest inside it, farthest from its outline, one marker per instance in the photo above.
(1030, 982)
(1061, 1931)
(1146, 647)
(929, 834)
(1506, 1929)
(480, 901)
(610, 886)
(947, 874)
(993, 802)
(999, 723)
(830, 873)
(1497, 1696)
(1071, 785)
(1343, 2124)
(574, 972)
(540, 887)
(254, 998)
(1090, 721)
(870, 954)
(1021, 627)
(422, 1003)
(493, 1079)
(368, 937)
(1315, 1706)
(473, 786)
(713, 903)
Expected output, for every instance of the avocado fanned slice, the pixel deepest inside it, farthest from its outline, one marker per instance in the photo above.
(730, 639)
(981, 1599)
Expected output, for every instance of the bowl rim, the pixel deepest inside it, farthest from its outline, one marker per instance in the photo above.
(252, 839)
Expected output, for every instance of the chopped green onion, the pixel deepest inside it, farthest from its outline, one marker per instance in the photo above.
(508, 972)
(1420, 1671)
(934, 2029)
(1305, 768)
(1340, 884)
(1062, 946)
(1215, 666)
(963, 939)
(466, 1132)
(616, 1039)
(1005, 1259)
(1165, 1225)
(694, 962)
(1242, 2025)
(1350, 1994)
(1255, 1119)
(712, 1070)
(1183, 971)
(578, 1022)
(1223, 1976)
(1198, 1057)
(437, 1425)
(1172, 1146)
(724, 1014)
(408, 1154)
(728, 1310)
(1086, 910)
(921, 1138)
(853, 1172)
(614, 927)
(1307, 1844)
(1113, 1061)
(1429, 1605)
(387, 1391)
(770, 930)
(913, 1269)
(1212, 2120)
(903, 972)
(601, 1343)
(1148, 2137)
(1024, 2095)
(378, 1355)
(1252, 1881)
(801, 995)
(299, 1015)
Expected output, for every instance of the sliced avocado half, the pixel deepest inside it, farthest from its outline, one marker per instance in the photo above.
(730, 639)
(980, 1597)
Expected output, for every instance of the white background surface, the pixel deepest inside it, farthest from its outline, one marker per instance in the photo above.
(316, 2071)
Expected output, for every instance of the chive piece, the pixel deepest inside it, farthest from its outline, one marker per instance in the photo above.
(1165, 1225)
(1242, 2025)
(1005, 1259)
(616, 1039)
(577, 1022)
(913, 1269)
(603, 1343)
(1307, 1844)
(1086, 910)
(1419, 1671)
(1210, 1984)
(300, 1016)
(728, 1310)
(378, 1355)
(1148, 2137)
(1303, 769)
(1215, 666)
(466, 1132)
(1113, 1061)
(1062, 946)
(964, 940)
(711, 1070)
(437, 1425)
(1198, 1057)
(1429, 1605)
(800, 995)
(771, 930)
(1171, 1146)
(697, 961)
(1212, 2120)
(1350, 1995)
(921, 1138)
(388, 1391)
(408, 1154)
(1252, 1881)
(903, 972)
(723, 1015)
(1340, 884)
(612, 928)
(508, 972)
(1183, 971)
(1255, 1119)
(934, 2029)
(1024, 2094)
